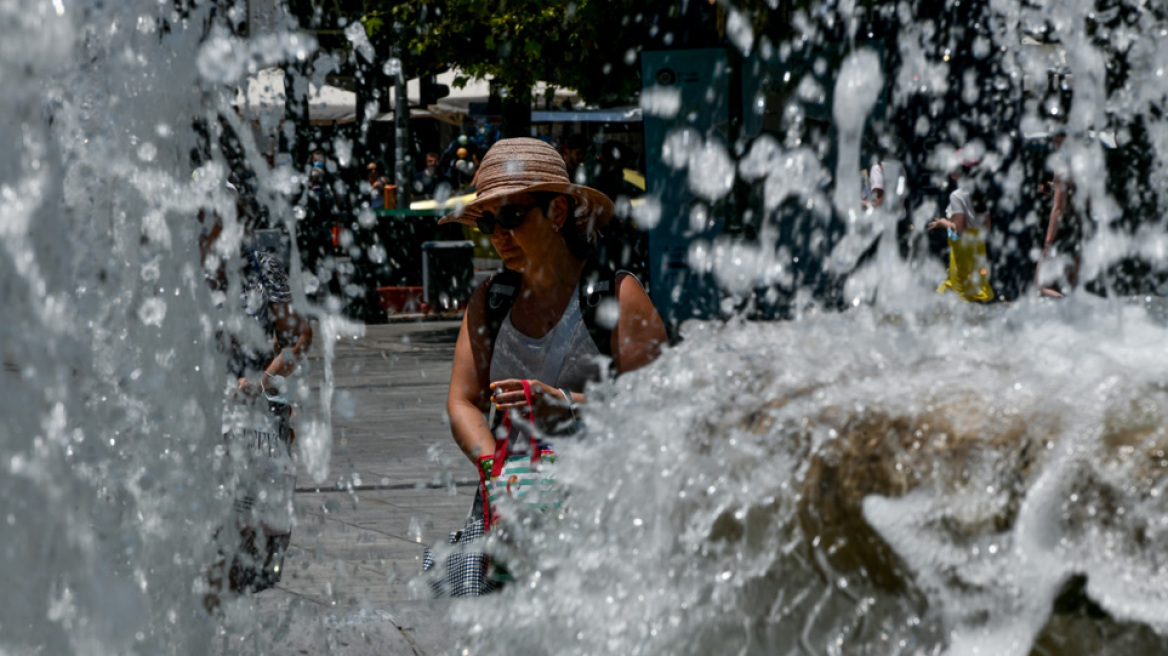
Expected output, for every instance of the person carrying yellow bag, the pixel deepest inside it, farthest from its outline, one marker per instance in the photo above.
(967, 224)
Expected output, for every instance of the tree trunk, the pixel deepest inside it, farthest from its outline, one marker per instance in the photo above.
(517, 112)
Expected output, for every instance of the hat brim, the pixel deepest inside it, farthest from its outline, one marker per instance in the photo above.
(597, 207)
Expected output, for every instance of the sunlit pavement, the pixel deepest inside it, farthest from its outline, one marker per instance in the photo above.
(396, 483)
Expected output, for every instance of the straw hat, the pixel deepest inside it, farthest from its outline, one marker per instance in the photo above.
(523, 166)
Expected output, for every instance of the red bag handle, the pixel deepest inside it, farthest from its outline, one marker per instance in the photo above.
(501, 444)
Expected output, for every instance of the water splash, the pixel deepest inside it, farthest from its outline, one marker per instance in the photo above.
(112, 386)
(913, 477)
(916, 476)
(931, 491)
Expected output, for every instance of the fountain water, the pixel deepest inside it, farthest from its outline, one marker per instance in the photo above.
(840, 487)
(913, 476)
(112, 386)
(908, 477)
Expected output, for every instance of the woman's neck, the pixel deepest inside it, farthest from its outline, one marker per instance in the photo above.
(554, 275)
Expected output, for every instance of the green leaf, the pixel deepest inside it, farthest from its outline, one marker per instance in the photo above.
(372, 25)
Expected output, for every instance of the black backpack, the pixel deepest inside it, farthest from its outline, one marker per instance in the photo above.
(597, 283)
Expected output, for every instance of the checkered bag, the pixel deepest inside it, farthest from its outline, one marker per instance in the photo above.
(523, 477)
(466, 571)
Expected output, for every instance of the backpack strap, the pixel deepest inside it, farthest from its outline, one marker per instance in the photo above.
(597, 284)
(501, 294)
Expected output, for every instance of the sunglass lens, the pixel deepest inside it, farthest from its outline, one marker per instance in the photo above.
(486, 223)
(510, 217)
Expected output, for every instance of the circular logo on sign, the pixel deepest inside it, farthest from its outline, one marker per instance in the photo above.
(665, 77)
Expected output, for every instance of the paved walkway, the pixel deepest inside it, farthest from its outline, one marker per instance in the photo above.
(397, 483)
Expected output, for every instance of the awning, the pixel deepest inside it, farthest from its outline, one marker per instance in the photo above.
(262, 101)
(616, 115)
(263, 97)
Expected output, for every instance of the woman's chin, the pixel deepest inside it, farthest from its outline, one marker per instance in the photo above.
(512, 260)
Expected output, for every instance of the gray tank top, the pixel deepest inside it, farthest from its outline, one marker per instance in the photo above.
(565, 357)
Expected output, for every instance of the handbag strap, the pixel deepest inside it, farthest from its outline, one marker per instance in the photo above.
(501, 445)
(483, 493)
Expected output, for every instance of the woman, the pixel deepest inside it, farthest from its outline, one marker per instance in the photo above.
(967, 223)
(542, 226)
(255, 370)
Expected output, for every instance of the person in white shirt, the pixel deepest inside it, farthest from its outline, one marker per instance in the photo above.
(967, 224)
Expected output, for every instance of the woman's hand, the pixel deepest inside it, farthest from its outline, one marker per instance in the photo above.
(249, 389)
(268, 385)
(939, 223)
(545, 399)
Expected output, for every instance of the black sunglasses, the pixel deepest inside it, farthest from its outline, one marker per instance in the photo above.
(507, 217)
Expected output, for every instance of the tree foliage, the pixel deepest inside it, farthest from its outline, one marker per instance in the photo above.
(592, 46)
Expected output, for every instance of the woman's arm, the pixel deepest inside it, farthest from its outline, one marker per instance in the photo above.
(468, 399)
(956, 224)
(289, 324)
(1058, 208)
(640, 333)
(291, 328)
